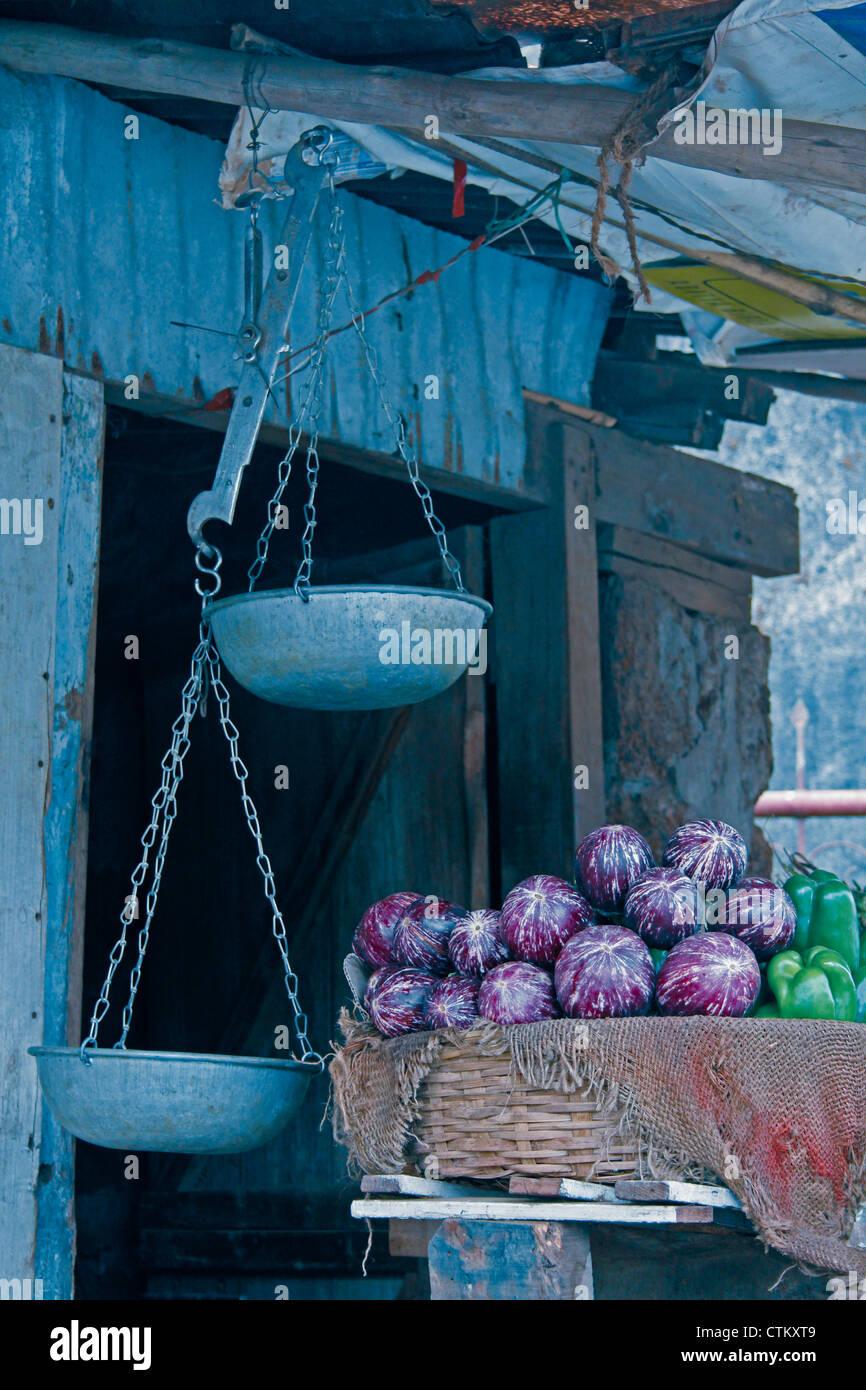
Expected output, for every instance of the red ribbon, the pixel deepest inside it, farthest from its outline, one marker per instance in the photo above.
(457, 207)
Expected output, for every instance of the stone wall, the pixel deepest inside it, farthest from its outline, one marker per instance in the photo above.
(686, 729)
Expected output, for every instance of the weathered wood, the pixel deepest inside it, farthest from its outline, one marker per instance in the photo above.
(548, 691)
(66, 818)
(694, 1193)
(30, 431)
(673, 398)
(513, 1209)
(468, 545)
(539, 1260)
(51, 445)
(379, 464)
(697, 583)
(570, 1189)
(408, 1185)
(410, 1239)
(583, 115)
(735, 518)
(582, 633)
(583, 412)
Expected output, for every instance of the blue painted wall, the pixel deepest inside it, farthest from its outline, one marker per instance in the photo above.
(105, 240)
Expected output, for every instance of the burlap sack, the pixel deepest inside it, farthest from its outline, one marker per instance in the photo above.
(775, 1108)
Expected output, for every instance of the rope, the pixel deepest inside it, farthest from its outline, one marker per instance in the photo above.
(624, 146)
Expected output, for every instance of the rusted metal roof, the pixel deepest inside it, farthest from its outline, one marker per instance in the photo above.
(558, 16)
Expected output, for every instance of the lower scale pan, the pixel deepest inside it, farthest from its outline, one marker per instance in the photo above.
(171, 1102)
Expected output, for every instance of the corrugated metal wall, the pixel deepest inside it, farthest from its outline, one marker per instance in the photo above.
(105, 240)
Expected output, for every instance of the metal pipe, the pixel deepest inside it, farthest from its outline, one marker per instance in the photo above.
(812, 802)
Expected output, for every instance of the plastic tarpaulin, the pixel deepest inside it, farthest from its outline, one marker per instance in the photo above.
(777, 55)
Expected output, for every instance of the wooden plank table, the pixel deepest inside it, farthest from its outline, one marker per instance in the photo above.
(538, 1239)
(533, 1240)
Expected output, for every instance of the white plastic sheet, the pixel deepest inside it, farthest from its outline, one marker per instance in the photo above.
(766, 54)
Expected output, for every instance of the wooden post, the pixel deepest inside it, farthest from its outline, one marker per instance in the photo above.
(467, 544)
(548, 665)
(491, 1260)
(51, 441)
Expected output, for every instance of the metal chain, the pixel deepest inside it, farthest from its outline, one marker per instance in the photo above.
(308, 412)
(164, 810)
(408, 455)
(204, 670)
(334, 273)
(308, 1054)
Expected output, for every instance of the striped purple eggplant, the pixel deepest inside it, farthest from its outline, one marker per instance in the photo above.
(539, 916)
(397, 1005)
(373, 982)
(607, 862)
(662, 907)
(760, 913)
(373, 940)
(711, 973)
(475, 944)
(708, 851)
(517, 992)
(604, 972)
(453, 1003)
(421, 935)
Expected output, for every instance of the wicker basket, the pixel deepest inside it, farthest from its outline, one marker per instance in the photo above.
(478, 1119)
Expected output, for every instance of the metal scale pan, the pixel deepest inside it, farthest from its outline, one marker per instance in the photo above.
(171, 1102)
(348, 648)
(324, 647)
(179, 1102)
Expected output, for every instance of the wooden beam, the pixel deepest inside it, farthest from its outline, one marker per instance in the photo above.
(535, 110)
(160, 405)
(695, 582)
(736, 518)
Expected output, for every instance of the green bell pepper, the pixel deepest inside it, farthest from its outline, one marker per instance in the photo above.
(833, 922)
(801, 891)
(818, 984)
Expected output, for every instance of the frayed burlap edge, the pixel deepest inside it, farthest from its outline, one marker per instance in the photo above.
(376, 1083)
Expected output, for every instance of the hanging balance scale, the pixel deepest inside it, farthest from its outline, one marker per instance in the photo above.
(306, 647)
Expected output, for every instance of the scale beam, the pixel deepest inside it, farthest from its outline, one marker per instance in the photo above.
(262, 343)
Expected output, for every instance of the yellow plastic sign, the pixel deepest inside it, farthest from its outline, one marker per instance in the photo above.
(742, 301)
